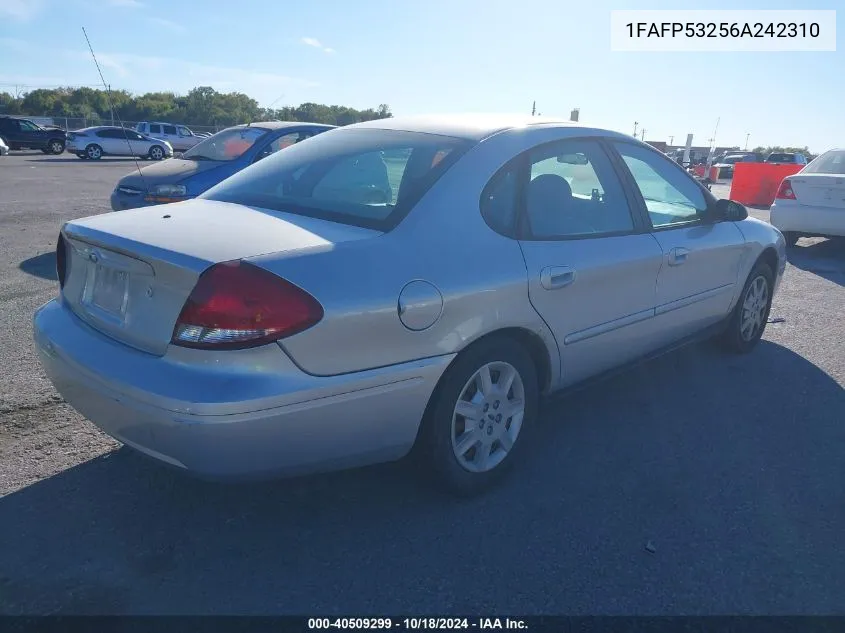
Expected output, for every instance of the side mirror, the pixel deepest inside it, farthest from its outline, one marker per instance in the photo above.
(728, 211)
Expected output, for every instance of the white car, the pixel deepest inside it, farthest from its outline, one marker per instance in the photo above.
(180, 137)
(812, 202)
(4, 149)
(95, 142)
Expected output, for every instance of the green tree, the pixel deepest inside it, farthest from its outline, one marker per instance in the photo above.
(202, 106)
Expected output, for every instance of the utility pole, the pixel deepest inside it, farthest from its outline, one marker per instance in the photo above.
(642, 138)
(534, 109)
(747, 136)
(671, 138)
(635, 129)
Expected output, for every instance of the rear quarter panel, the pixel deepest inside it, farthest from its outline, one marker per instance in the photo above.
(480, 274)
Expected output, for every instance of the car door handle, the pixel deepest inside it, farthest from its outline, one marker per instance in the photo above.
(554, 277)
(678, 256)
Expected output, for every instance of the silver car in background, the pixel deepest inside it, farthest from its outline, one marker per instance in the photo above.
(302, 316)
(95, 142)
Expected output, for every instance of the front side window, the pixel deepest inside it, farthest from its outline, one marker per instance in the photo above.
(183, 131)
(364, 177)
(671, 196)
(169, 129)
(227, 145)
(27, 126)
(573, 191)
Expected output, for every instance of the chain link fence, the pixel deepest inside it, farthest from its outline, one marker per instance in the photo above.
(77, 123)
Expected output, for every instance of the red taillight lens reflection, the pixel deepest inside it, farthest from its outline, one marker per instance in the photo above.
(785, 191)
(237, 305)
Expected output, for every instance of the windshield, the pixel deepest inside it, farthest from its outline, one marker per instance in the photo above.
(364, 177)
(226, 145)
(832, 162)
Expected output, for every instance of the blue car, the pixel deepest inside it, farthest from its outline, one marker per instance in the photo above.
(208, 162)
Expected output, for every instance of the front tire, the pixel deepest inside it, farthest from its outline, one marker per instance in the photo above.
(748, 320)
(156, 152)
(94, 152)
(56, 147)
(791, 239)
(478, 418)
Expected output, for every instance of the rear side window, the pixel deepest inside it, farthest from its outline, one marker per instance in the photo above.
(499, 200)
(363, 177)
(573, 191)
(832, 162)
(155, 129)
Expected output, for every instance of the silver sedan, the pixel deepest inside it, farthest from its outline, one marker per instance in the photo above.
(395, 285)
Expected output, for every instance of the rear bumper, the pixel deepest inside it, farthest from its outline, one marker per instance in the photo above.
(233, 415)
(810, 220)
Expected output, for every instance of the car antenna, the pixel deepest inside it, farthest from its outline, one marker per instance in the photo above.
(111, 107)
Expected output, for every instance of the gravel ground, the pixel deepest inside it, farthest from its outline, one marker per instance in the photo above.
(699, 484)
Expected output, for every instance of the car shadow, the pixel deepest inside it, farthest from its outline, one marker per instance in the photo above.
(43, 266)
(698, 454)
(822, 257)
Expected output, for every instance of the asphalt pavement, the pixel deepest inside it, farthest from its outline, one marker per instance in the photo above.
(701, 483)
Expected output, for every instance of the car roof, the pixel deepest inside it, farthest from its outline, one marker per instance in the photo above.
(103, 127)
(278, 125)
(475, 127)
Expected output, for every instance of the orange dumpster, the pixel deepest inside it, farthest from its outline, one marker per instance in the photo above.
(756, 184)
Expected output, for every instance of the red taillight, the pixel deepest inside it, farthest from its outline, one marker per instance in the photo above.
(236, 305)
(785, 191)
(61, 260)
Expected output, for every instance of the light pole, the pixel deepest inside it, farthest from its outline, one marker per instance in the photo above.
(635, 129)
(671, 138)
(642, 138)
(747, 136)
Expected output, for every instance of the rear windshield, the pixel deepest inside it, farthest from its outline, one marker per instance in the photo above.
(226, 145)
(832, 162)
(364, 177)
(781, 158)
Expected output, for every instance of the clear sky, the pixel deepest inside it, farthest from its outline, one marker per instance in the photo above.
(422, 56)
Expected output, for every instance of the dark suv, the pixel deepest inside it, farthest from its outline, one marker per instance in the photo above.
(24, 134)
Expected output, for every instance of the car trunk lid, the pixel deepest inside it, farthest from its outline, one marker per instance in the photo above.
(819, 190)
(129, 273)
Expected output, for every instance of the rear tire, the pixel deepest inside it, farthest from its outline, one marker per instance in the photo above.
(156, 152)
(791, 239)
(479, 417)
(94, 152)
(748, 320)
